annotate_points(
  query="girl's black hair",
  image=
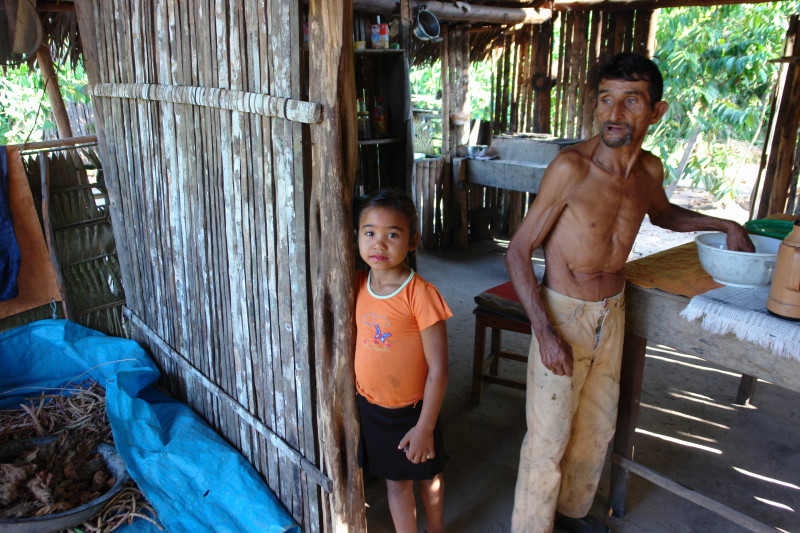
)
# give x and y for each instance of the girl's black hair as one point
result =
(392, 199)
(634, 67)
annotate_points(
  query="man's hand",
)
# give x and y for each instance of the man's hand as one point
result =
(737, 239)
(556, 353)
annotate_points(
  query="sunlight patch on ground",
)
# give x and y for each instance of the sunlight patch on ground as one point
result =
(765, 478)
(687, 396)
(774, 504)
(683, 415)
(690, 365)
(679, 441)
(698, 437)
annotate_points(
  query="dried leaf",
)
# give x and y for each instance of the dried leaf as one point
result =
(39, 490)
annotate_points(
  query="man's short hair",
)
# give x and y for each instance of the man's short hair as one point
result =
(634, 67)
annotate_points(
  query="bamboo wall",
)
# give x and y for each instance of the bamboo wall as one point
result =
(199, 105)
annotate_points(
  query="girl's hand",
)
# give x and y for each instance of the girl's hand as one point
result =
(418, 445)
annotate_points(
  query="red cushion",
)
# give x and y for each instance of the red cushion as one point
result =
(504, 290)
(502, 299)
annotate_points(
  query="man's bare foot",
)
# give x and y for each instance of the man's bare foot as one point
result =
(587, 524)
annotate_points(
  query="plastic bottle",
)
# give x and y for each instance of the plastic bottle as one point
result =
(380, 129)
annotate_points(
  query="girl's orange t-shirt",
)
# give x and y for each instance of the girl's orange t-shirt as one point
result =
(390, 363)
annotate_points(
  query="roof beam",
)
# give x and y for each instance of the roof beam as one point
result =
(466, 12)
(460, 11)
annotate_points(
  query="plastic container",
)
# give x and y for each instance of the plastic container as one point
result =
(740, 269)
(380, 35)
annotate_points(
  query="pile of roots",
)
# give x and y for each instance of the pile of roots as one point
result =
(45, 478)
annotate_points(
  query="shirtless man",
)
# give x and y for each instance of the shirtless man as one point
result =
(591, 202)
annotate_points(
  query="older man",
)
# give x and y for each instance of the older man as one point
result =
(592, 200)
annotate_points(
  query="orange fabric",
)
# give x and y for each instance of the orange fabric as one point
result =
(37, 277)
(389, 361)
(676, 271)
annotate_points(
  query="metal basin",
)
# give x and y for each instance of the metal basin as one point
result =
(73, 517)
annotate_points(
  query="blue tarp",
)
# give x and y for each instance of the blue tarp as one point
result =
(193, 478)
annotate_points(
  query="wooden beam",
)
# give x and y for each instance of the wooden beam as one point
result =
(55, 7)
(246, 102)
(50, 79)
(450, 12)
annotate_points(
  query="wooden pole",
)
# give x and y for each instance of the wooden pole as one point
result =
(45, 61)
(783, 135)
(334, 157)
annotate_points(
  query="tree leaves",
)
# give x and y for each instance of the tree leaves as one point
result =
(715, 62)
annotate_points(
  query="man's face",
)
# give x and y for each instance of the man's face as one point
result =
(624, 112)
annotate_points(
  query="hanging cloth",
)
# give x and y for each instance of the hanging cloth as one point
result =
(37, 281)
(10, 255)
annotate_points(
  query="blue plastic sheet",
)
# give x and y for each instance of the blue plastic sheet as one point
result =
(193, 478)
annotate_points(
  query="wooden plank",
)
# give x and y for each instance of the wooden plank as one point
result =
(652, 314)
(687, 493)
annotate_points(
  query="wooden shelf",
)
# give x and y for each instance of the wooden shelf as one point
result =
(378, 141)
(369, 51)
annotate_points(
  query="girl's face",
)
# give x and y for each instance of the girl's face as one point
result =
(384, 238)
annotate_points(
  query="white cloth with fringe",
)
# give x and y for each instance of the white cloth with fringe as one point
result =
(743, 312)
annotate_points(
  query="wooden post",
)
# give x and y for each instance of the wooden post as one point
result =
(334, 151)
(630, 391)
(542, 84)
(45, 61)
(783, 134)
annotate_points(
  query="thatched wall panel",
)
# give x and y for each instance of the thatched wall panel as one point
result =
(205, 169)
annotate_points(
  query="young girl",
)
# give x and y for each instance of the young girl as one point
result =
(400, 358)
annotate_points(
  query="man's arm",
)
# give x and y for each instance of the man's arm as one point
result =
(670, 216)
(540, 219)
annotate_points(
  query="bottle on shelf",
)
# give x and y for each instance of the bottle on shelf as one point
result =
(378, 119)
(362, 119)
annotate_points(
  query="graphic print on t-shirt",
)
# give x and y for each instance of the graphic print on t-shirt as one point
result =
(376, 335)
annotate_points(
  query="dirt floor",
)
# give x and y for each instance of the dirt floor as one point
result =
(689, 427)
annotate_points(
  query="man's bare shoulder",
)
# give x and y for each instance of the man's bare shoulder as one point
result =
(573, 158)
(652, 165)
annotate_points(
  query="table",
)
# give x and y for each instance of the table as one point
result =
(653, 315)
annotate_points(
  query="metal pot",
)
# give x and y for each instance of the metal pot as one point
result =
(427, 27)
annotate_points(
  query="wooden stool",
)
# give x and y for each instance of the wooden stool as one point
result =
(498, 309)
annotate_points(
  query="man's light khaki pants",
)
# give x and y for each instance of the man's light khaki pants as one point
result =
(570, 419)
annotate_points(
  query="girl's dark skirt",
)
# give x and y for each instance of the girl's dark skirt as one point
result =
(382, 430)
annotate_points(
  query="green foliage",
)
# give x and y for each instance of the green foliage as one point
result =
(425, 83)
(25, 105)
(717, 76)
